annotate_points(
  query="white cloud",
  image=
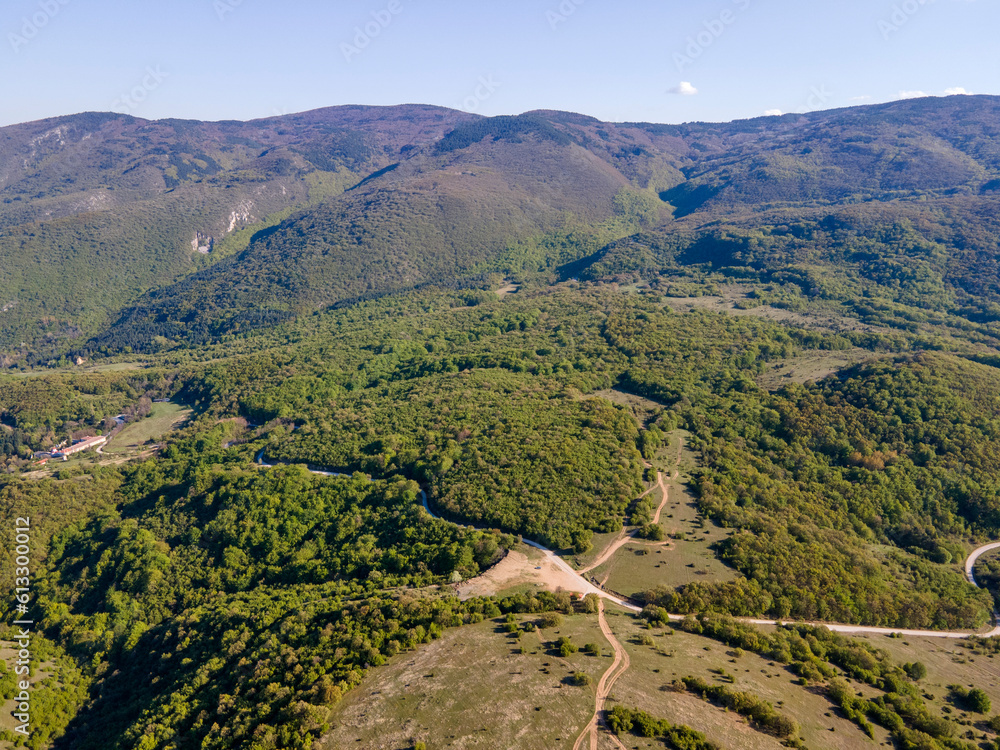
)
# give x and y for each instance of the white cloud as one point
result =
(864, 98)
(953, 91)
(684, 88)
(773, 113)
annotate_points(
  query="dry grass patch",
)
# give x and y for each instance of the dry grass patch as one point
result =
(470, 689)
(681, 654)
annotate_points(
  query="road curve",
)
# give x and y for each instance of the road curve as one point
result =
(586, 587)
(970, 562)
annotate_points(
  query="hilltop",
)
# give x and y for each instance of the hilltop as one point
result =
(106, 219)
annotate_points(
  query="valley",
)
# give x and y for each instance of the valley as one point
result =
(523, 431)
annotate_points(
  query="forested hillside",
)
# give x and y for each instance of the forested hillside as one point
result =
(100, 211)
(96, 209)
(783, 330)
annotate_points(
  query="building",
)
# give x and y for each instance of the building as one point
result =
(81, 445)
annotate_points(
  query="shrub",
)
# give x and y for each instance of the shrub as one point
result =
(566, 647)
(619, 720)
(550, 620)
(581, 679)
(978, 701)
(973, 700)
(655, 615)
(653, 531)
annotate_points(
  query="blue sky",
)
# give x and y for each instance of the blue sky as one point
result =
(664, 61)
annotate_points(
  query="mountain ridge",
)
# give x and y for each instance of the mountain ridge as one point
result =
(461, 192)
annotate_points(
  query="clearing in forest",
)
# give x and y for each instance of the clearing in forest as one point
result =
(163, 419)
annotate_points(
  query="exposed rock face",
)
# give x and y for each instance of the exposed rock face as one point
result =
(202, 243)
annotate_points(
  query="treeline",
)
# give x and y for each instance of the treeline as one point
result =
(500, 449)
(761, 714)
(900, 453)
(482, 404)
(503, 127)
(201, 570)
(621, 719)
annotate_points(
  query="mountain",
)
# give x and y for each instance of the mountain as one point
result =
(96, 209)
(350, 361)
(103, 215)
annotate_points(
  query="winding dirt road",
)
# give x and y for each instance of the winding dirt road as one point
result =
(970, 561)
(665, 496)
(586, 587)
(618, 667)
(621, 661)
(624, 537)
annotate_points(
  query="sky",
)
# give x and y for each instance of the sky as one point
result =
(665, 61)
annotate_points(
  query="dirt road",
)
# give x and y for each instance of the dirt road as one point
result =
(970, 562)
(617, 669)
(583, 586)
(625, 537)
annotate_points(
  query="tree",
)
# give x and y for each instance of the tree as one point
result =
(620, 719)
(653, 532)
(550, 620)
(566, 647)
(582, 541)
(978, 701)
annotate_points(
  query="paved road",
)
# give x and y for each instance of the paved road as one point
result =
(587, 587)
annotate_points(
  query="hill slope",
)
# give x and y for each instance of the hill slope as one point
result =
(100, 211)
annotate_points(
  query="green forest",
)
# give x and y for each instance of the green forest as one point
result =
(453, 316)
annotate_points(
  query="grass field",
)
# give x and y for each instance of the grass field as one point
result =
(112, 367)
(470, 689)
(163, 419)
(948, 663)
(810, 366)
(643, 409)
(638, 567)
(676, 654)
